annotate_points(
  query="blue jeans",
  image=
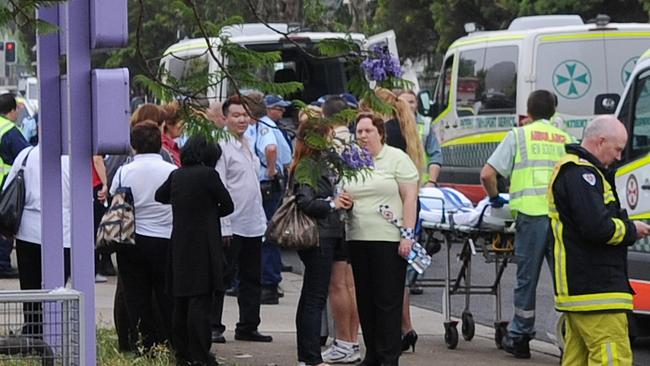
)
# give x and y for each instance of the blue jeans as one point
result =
(313, 296)
(532, 244)
(271, 255)
(5, 254)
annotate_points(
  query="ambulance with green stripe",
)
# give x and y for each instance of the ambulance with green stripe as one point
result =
(486, 78)
(633, 184)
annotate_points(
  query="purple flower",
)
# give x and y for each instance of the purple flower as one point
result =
(380, 65)
(356, 158)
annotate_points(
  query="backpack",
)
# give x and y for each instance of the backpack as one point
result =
(117, 227)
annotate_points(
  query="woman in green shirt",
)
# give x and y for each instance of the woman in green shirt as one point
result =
(378, 247)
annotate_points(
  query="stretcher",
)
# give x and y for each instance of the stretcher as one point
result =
(494, 242)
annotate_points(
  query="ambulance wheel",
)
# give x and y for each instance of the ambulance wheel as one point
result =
(467, 327)
(451, 336)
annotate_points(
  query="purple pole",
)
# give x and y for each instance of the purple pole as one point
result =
(50, 142)
(79, 94)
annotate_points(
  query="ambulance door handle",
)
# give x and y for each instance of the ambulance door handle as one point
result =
(646, 187)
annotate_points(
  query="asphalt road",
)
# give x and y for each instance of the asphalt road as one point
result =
(483, 306)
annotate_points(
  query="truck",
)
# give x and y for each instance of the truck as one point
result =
(486, 77)
(320, 76)
(633, 185)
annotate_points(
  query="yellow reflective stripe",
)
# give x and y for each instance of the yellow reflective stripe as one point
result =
(475, 40)
(477, 139)
(641, 216)
(619, 232)
(560, 260)
(592, 302)
(627, 168)
(608, 197)
(593, 35)
(192, 46)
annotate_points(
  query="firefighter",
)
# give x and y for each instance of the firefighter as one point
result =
(591, 235)
(527, 155)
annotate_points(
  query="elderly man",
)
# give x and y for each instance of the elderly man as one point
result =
(243, 229)
(591, 235)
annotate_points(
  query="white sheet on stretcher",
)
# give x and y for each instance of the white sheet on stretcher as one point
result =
(432, 200)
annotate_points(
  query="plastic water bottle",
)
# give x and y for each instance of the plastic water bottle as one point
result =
(418, 258)
(343, 214)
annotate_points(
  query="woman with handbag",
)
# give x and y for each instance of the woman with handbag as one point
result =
(142, 266)
(322, 204)
(198, 199)
(378, 247)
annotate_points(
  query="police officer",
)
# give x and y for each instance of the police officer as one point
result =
(591, 235)
(274, 152)
(527, 155)
(12, 142)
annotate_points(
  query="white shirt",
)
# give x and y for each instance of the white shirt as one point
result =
(144, 175)
(238, 168)
(30, 224)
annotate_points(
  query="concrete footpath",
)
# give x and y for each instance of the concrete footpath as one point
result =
(278, 321)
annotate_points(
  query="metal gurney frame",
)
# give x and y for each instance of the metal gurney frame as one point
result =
(496, 246)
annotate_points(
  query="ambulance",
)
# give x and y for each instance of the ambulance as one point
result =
(486, 78)
(633, 185)
(319, 75)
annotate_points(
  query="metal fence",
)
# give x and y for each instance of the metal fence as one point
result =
(41, 327)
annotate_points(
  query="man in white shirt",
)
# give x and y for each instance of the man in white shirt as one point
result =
(242, 230)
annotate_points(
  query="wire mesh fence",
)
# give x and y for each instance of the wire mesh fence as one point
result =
(41, 327)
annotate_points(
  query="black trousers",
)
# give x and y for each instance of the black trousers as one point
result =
(30, 278)
(313, 297)
(142, 274)
(191, 329)
(379, 274)
(243, 254)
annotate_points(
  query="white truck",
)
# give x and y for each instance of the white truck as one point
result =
(486, 78)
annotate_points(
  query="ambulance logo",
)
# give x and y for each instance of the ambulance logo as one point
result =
(632, 192)
(589, 178)
(571, 79)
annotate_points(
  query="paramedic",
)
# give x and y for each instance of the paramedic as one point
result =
(591, 235)
(527, 156)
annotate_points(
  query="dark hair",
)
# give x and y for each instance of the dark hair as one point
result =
(541, 104)
(225, 107)
(200, 151)
(148, 112)
(302, 149)
(376, 121)
(145, 137)
(7, 103)
(334, 105)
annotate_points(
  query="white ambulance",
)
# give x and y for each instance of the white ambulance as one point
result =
(633, 185)
(486, 78)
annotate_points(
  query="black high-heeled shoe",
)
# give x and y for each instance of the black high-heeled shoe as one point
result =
(408, 340)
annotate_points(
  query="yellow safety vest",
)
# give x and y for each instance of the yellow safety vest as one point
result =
(5, 126)
(564, 300)
(539, 147)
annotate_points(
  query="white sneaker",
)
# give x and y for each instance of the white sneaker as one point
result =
(100, 279)
(338, 354)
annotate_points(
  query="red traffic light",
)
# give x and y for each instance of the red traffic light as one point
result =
(10, 52)
(10, 46)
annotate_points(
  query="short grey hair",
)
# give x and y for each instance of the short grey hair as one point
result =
(599, 126)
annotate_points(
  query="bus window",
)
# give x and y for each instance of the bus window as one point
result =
(469, 88)
(641, 116)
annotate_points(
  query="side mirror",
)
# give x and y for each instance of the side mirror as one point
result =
(426, 104)
(606, 103)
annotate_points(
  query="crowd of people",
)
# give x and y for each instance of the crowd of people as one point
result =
(202, 208)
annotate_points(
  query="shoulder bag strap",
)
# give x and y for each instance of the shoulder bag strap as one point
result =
(22, 165)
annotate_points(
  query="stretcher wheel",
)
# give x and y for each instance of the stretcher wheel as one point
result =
(500, 330)
(451, 335)
(467, 327)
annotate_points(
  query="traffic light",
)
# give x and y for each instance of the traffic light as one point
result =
(10, 52)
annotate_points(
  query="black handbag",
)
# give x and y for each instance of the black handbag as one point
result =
(12, 202)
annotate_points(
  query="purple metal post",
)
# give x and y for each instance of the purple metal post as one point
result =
(50, 142)
(78, 72)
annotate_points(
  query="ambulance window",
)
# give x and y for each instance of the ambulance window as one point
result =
(444, 83)
(641, 116)
(190, 73)
(469, 88)
(499, 80)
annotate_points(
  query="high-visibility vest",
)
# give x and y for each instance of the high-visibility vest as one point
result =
(575, 297)
(5, 126)
(422, 132)
(539, 147)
